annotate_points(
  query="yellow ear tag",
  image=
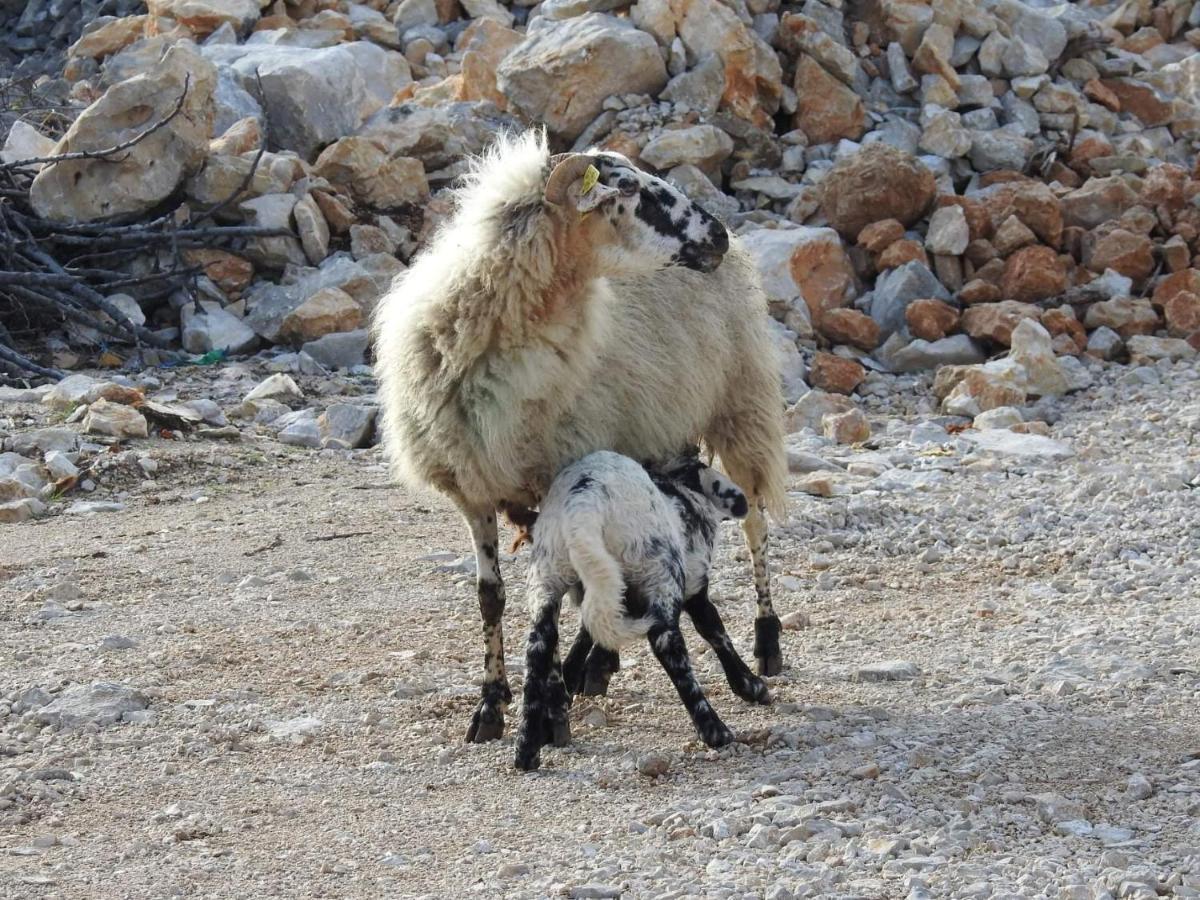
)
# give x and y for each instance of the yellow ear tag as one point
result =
(590, 177)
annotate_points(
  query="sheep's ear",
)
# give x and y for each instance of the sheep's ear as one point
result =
(587, 197)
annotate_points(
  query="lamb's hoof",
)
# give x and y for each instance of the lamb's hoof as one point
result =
(752, 690)
(560, 732)
(487, 724)
(766, 645)
(527, 761)
(595, 684)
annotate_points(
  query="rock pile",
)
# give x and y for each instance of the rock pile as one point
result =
(916, 182)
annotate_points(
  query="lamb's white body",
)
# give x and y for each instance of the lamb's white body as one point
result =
(529, 335)
(640, 544)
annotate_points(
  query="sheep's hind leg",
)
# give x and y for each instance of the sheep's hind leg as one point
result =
(602, 664)
(589, 667)
(666, 640)
(766, 624)
(487, 723)
(708, 624)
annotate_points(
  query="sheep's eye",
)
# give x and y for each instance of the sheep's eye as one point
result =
(627, 187)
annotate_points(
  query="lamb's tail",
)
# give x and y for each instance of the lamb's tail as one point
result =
(603, 611)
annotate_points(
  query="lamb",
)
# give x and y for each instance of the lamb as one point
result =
(639, 543)
(551, 317)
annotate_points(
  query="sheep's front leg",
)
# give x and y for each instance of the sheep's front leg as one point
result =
(666, 641)
(544, 706)
(708, 624)
(487, 723)
(766, 625)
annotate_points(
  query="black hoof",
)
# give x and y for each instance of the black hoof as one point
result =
(560, 733)
(602, 664)
(487, 724)
(717, 735)
(527, 761)
(753, 690)
(766, 645)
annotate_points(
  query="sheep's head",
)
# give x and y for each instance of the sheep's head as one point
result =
(638, 222)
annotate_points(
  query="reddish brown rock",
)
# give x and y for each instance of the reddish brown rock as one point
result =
(930, 320)
(835, 374)
(878, 236)
(979, 223)
(1124, 252)
(992, 271)
(1164, 186)
(1187, 281)
(979, 291)
(981, 252)
(1141, 100)
(823, 273)
(878, 182)
(1061, 323)
(1033, 273)
(901, 252)
(1176, 254)
(230, 272)
(995, 321)
(1031, 202)
(850, 427)
(1126, 316)
(1182, 313)
(849, 326)
(826, 110)
(328, 311)
(1098, 92)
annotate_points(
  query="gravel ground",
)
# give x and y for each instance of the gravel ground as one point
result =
(996, 695)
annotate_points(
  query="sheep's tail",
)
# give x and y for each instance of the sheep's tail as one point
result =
(603, 612)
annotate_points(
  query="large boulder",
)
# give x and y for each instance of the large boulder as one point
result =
(315, 96)
(562, 72)
(135, 180)
(878, 182)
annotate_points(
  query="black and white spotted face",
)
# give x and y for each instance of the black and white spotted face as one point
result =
(725, 497)
(657, 225)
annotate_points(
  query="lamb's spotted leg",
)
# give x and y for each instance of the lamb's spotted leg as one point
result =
(666, 640)
(766, 623)
(543, 710)
(602, 664)
(488, 721)
(708, 624)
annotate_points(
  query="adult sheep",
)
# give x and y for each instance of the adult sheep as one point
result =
(550, 318)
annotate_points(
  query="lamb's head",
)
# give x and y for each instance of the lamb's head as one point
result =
(641, 223)
(705, 484)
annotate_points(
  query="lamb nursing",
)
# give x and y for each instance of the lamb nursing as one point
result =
(639, 543)
(550, 318)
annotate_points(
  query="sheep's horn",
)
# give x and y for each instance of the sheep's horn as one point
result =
(565, 174)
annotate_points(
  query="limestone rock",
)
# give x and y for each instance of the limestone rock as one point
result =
(328, 311)
(375, 178)
(115, 420)
(1098, 201)
(826, 110)
(995, 321)
(346, 426)
(436, 135)
(203, 17)
(948, 233)
(100, 704)
(277, 387)
(1033, 350)
(135, 181)
(562, 72)
(810, 409)
(704, 146)
(214, 329)
(1126, 316)
(896, 289)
